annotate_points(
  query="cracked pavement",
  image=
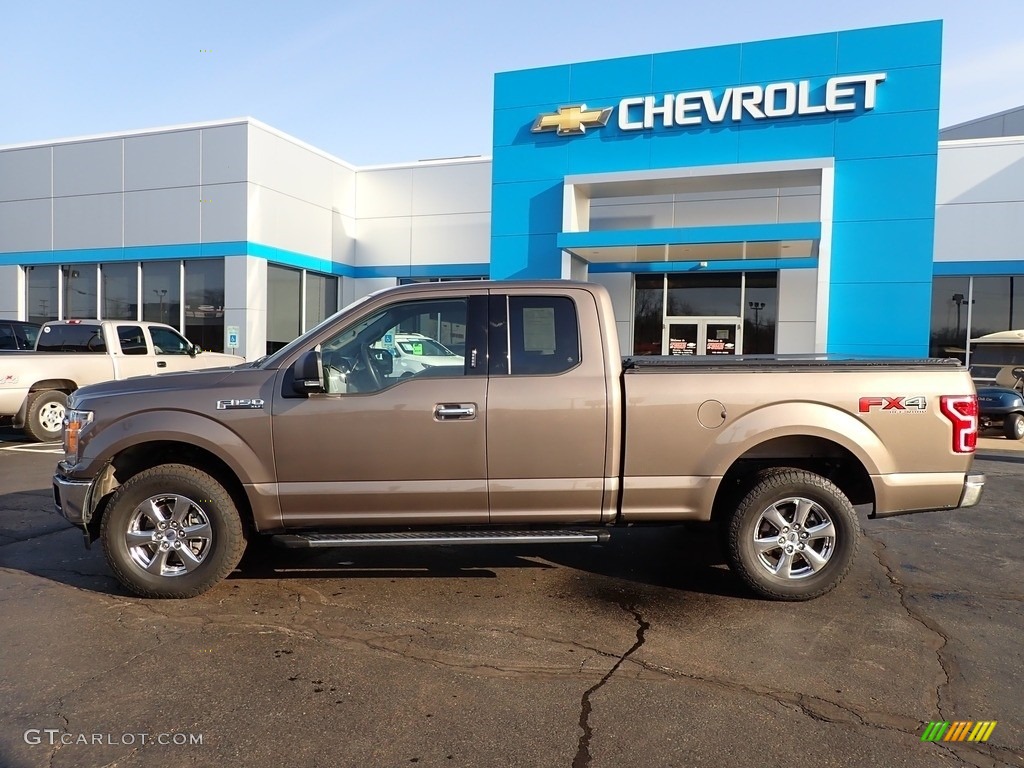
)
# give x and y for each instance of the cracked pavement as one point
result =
(644, 652)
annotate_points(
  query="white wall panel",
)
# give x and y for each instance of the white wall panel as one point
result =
(160, 160)
(225, 153)
(343, 239)
(620, 288)
(162, 216)
(461, 188)
(364, 286)
(25, 225)
(798, 295)
(989, 232)
(91, 167)
(794, 338)
(455, 239)
(89, 221)
(25, 174)
(384, 193)
(384, 242)
(286, 167)
(245, 303)
(624, 329)
(281, 221)
(223, 212)
(980, 173)
(343, 190)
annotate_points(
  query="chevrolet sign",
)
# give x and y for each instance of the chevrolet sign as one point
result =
(844, 93)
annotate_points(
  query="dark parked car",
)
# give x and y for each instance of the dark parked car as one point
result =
(1003, 407)
(18, 336)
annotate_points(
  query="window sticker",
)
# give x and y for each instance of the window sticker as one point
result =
(539, 330)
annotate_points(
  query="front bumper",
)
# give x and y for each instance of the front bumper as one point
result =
(974, 484)
(71, 497)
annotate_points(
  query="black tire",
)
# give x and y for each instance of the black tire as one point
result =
(824, 560)
(208, 527)
(45, 409)
(1013, 426)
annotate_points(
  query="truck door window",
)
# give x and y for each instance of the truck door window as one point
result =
(7, 338)
(131, 340)
(543, 335)
(167, 342)
(412, 339)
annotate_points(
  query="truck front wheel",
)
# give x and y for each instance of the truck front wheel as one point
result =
(44, 417)
(793, 536)
(172, 531)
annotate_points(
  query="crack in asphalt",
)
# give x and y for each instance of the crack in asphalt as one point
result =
(583, 756)
(929, 624)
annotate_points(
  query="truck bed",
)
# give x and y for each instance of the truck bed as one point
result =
(754, 363)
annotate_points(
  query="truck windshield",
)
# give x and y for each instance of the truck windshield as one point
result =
(76, 338)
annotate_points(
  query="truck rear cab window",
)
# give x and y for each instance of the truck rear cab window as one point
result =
(542, 334)
(72, 337)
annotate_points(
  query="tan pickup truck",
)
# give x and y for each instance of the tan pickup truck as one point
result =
(543, 433)
(34, 386)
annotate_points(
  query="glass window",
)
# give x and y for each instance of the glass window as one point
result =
(761, 313)
(7, 338)
(41, 293)
(161, 292)
(709, 294)
(321, 297)
(543, 335)
(79, 291)
(648, 314)
(167, 342)
(949, 317)
(27, 335)
(204, 303)
(120, 291)
(72, 337)
(284, 314)
(367, 357)
(131, 339)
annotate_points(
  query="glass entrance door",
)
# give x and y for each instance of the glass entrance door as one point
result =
(702, 336)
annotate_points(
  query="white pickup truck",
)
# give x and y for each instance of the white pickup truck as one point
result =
(34, 386)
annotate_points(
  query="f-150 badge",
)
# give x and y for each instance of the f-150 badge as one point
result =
(231, 405)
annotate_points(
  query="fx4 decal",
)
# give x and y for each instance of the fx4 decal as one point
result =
(915, 404)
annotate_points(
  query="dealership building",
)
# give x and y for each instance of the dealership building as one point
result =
(788, 196)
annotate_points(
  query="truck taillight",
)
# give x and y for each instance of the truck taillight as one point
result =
(962, 410)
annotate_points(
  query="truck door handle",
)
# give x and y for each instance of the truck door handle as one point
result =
(161, 363)
(452, 411)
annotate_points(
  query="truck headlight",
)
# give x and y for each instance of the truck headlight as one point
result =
(74, 422)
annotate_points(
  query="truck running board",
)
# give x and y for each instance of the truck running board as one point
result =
(438, 538)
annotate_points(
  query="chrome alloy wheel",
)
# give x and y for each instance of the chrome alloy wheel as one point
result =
(168, 535)
(51, 417)
(794, 538)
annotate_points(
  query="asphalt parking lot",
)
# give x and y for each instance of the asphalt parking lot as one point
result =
(643, 652)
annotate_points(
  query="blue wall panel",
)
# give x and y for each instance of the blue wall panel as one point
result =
(884, 158)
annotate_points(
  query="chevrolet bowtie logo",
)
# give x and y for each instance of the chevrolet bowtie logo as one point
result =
(569, 121)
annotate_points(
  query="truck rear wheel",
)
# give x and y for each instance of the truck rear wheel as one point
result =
(1013, 426)
(794, 535)
(172, 531)
(44, 417)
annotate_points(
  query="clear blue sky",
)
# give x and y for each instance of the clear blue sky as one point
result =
(381, 82)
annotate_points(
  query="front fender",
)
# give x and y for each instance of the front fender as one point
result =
(176, 426)
(796, 419)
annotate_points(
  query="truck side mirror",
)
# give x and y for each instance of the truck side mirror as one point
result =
(308, 373)
(194, 349)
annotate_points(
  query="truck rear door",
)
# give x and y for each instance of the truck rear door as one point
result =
(547, 408)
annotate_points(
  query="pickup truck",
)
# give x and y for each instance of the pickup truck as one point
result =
(34, 386)
(543, 435)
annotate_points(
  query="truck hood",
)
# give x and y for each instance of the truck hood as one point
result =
(183, 380)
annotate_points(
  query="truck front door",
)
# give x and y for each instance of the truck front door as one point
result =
(385, 445)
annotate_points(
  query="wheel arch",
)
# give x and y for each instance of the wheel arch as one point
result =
(812, 453)
(67, 386)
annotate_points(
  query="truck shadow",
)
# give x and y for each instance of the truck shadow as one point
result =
(685, 558)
